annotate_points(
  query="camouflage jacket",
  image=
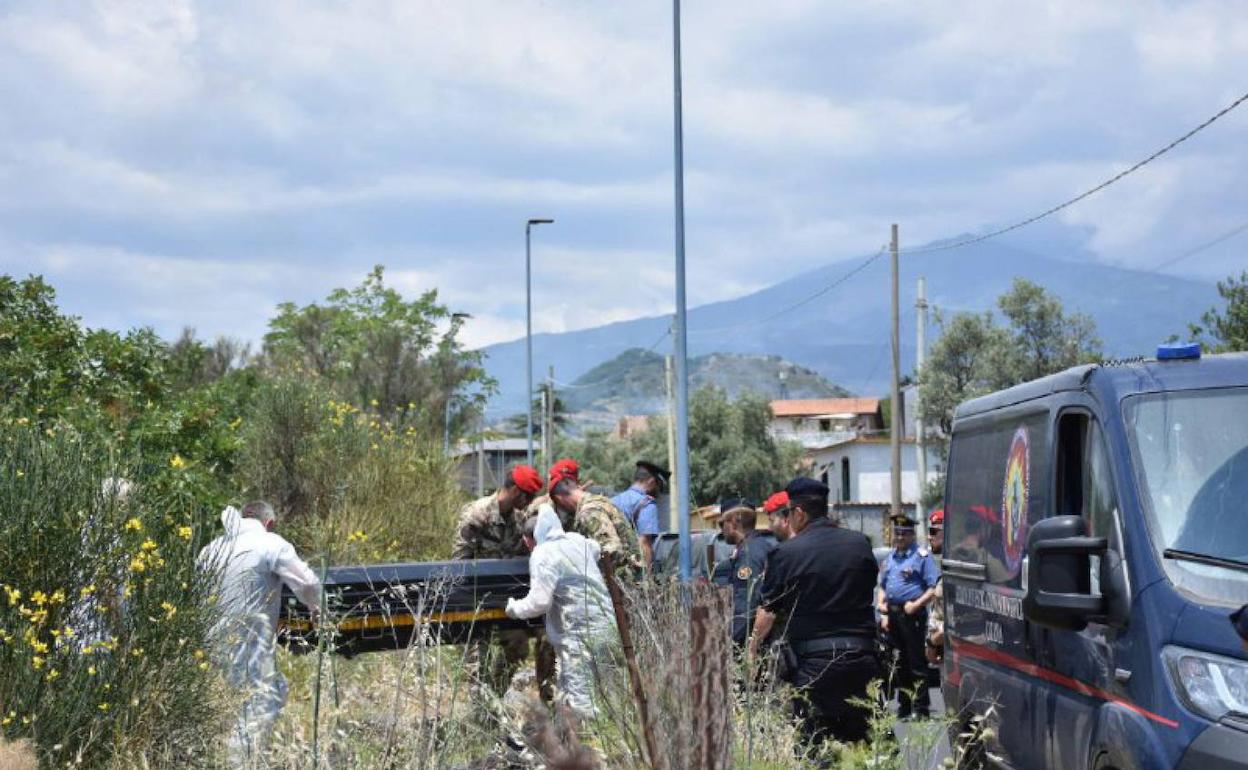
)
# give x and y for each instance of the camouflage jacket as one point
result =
(484, 533)
(598, 519)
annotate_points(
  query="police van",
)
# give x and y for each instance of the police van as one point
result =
(1096, 541)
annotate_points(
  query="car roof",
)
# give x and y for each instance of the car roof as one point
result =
(1117, 379)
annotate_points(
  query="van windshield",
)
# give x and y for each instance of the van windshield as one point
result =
(1190, 451)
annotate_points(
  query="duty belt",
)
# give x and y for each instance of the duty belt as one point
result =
(832, 644)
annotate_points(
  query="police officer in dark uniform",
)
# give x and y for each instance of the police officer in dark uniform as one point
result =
(743, 570)
(822, 579)
(907, 585)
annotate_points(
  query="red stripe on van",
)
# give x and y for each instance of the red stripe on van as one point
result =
(981, 652)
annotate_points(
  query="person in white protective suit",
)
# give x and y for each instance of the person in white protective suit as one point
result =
(566, 585)
(251, 562)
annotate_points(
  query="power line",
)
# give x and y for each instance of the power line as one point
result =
(1229, 234)
(1088, 193)
(805, 301)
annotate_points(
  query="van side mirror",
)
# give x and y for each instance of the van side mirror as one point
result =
(1059, 568)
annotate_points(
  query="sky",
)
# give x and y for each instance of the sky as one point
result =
(169, 163)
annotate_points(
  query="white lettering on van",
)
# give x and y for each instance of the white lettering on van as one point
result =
(985, 601)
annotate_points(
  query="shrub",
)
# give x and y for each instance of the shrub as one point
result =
(101, 622)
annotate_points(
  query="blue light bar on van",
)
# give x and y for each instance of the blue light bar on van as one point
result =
(1178, 352)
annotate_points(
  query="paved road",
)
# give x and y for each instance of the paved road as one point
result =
(926, 743)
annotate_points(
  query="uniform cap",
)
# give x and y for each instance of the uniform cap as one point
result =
(728, 503)
(776, 502)
(526, 478)
(903, 522)
(803, 487)
(662, 474)
(565, 468)
(937, 519)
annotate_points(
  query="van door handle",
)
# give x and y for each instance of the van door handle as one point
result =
(966, 570)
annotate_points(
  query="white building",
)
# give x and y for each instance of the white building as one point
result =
(815, 422)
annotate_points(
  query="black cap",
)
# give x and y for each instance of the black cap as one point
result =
(1240, 619)
(803, 487)
(903, 522)
(662, 474)
(728, 503)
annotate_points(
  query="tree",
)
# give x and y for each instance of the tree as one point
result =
(731, 451)
(974, 356)
(1046, 339)
(384, 353)
(1228, 328)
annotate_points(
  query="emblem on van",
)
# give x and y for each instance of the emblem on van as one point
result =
(1014, 496)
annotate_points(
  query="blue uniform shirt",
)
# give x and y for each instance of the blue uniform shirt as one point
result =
(908, 574)
(640, 509)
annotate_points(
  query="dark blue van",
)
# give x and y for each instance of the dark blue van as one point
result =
(1096, 541)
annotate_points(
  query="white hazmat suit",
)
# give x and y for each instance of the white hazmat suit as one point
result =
(251, 564)
(566, 585)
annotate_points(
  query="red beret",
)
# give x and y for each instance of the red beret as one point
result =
(526, 478)
(776, 502)
(937, 519)
(566, 468)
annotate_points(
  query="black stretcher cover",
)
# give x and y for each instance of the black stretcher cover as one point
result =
(390, 606)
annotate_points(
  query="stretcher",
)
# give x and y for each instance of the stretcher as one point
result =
(391, 606)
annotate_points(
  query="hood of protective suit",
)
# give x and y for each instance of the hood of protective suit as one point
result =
(548, 525)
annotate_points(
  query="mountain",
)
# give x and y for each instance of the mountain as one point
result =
(634, 381)
(844, 334)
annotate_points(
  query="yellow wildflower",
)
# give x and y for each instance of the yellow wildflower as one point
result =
(38, 646)
(199, 655)
(137, 565)
(134, 525)
(203, 666)
(176, 462)
(137, 652)
(87, 591)
(184, 533)
(39, 598)
(13, 594)
(37, 661)
(170, 610)
(91, 671)
(20, 473)
(103, 706)
(58, 597)
(52, 674)
(149, 545)
(8, 720)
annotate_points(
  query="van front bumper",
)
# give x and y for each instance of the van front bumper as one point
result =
(1218, 748)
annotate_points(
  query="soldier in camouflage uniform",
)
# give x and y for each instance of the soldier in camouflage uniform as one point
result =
(492, 528)
(595, 517)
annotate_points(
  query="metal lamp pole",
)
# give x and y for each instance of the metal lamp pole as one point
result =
(528, 333)
(681, 350)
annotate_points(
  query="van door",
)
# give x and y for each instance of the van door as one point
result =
(998, 485)
(1084, 661)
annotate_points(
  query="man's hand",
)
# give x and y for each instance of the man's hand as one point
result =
(883, 619)
(911, 607)
(511, 608)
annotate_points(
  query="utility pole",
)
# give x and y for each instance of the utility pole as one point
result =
(481, 456)
(671, 437)
(681, 349)
(545, 433)
(920, 442)
(548, 433)
(897, 417)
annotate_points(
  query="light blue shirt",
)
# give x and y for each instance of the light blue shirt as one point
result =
(639, 508)
(907, 574)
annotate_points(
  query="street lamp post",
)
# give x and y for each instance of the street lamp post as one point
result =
(528, 333)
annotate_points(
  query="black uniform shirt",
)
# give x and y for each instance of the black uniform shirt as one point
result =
(823, 579)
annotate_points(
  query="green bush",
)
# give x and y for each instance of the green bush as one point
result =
(102, 625)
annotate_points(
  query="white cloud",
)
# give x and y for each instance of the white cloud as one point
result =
(190, 161)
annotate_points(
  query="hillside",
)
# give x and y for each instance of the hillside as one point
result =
(844, 335)
(633, 382)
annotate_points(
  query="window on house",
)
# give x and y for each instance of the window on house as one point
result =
(825, 426)
(845, 498)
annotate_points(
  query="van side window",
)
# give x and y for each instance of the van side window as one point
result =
(998, 487)
(1085, 484)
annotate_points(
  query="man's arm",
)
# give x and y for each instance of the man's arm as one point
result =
(930, 574)
(764, 621)
(296, 573)
(647, 551)
(914, 605)
(466, 539)
(542, 581)
(881, 605)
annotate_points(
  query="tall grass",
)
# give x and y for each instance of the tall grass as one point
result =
(102, 627)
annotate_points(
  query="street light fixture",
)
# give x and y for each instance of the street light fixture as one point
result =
(528, 332)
